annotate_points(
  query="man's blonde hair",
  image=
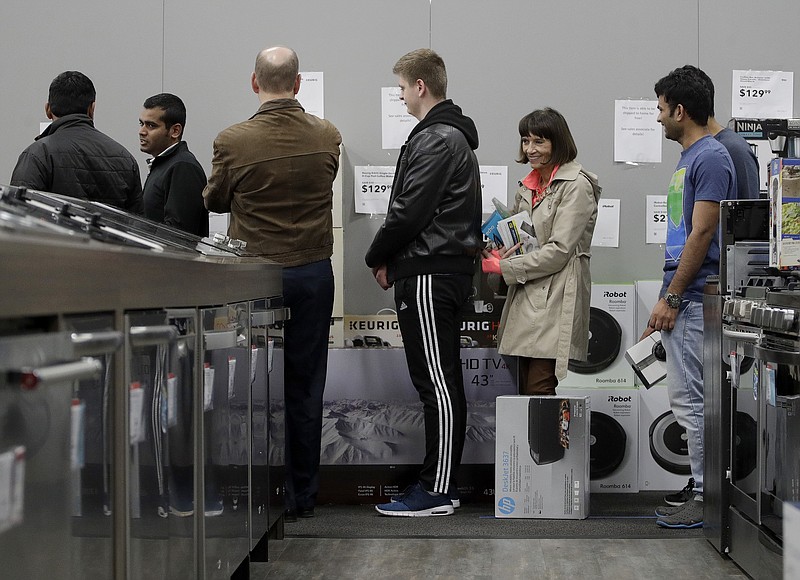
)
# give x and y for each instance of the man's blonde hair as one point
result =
(426, 65)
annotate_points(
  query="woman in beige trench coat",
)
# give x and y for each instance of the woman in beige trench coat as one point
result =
(545, 320)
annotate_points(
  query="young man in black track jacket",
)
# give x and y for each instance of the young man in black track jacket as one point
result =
(427, 249)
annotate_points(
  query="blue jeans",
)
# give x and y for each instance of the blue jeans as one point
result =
(684, 348)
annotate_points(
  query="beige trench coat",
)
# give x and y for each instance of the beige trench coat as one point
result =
(546, 314)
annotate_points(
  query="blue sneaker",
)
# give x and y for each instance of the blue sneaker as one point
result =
(416, 502)
(689, 515)
(181, 505)
(452, 493)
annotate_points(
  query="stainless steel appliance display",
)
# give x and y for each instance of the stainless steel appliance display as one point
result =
(183, 469)
(84, 268)
(778, 357)
(761, 340)
(149, 340)
(266, 481)
(92, 515)
(226, 437)
(730, 435)
(42, 447)
(110, 224)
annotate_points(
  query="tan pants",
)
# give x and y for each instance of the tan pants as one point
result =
(537, 376)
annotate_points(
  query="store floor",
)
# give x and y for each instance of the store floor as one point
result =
(619, 541)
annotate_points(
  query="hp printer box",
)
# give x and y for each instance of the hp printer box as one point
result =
(542, 457)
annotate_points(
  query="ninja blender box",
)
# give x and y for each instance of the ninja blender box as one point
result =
(542, 457)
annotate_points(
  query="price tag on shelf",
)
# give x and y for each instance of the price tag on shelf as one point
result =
(172, 400)
(208, 387)
(12, 487)
(253, 363)
(76, 446)
(231, 376)
(763, 94)
(656, 219)
(136, 408)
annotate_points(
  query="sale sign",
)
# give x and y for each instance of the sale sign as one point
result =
(762, 94)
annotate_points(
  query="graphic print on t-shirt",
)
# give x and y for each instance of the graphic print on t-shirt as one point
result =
(676, 225)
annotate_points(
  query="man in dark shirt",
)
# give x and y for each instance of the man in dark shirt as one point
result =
(73, 158)
(744, 160)
(173, 192)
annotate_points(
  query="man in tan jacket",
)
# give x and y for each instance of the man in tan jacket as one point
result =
(274, 173)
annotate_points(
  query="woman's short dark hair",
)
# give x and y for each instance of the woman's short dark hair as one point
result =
(548, 124)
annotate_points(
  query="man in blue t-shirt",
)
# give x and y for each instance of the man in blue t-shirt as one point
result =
(703, 178)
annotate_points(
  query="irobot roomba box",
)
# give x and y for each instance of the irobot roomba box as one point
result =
(611, 333)
(614, 440)
(542, 457)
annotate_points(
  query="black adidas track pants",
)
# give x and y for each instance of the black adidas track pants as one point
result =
(429, 310)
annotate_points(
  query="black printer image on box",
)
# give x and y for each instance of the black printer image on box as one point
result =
(548, 429)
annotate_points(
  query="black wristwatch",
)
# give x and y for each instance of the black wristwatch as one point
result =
(673, 300)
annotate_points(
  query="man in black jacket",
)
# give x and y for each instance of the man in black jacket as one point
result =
(173, 192)
(73, 158)
(426, 249)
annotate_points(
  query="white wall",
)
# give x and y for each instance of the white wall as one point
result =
(504, 60)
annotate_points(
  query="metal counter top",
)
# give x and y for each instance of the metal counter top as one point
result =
(40, 276)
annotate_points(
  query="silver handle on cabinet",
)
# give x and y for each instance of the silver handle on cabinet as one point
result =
(88, 343)
(741, 336)
(32, 378)
(152, 335)
(262, 318)
(282, 314)
(215, 340)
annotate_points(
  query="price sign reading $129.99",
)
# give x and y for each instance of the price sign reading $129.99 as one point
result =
(376, 188)
(762, 94)
(373, 186)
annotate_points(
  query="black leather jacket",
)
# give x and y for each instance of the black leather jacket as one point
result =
(433, 222)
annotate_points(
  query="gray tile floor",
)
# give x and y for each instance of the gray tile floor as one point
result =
(468, 559)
